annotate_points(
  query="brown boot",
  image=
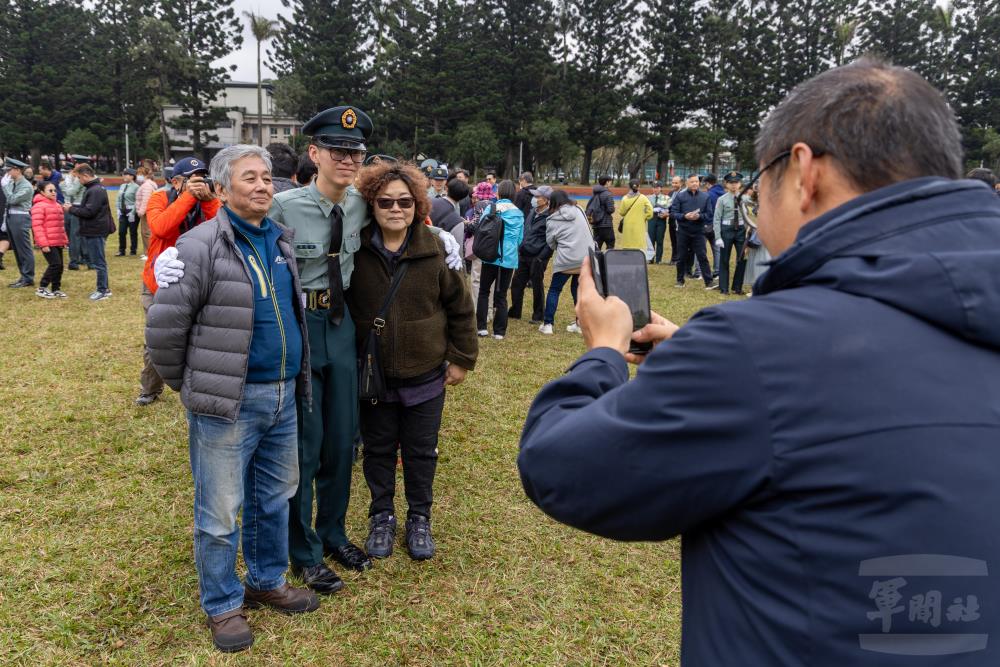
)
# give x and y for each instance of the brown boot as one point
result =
(230, 632)
(286, 599)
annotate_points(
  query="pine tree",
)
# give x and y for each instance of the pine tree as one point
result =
(900, 31)
(322, 47)
(605, 48)
(208, 30)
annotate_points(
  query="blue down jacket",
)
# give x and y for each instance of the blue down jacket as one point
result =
(829, 450)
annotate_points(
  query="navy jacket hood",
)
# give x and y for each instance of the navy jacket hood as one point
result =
(940, 264)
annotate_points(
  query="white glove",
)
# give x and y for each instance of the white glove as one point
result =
(454, 259)
(719, 243)
(167, 269)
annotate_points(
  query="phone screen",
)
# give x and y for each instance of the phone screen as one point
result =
(625, 277)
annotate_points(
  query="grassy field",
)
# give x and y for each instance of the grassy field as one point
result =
(95, 517)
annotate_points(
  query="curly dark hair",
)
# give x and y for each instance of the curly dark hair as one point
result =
(372, 179)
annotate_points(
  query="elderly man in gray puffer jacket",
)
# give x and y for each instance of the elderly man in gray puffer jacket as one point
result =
(230, 337)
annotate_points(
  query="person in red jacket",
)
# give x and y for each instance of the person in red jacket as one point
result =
(187, 202)
(50, 235)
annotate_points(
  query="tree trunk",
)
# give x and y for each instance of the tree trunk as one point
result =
(260, 106)
(164, 139)
(588, 157)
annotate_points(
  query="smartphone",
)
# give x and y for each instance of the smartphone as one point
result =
(622, 273)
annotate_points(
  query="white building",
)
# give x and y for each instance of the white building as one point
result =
(240, 98)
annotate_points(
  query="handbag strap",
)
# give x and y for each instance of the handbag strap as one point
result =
(397, 278)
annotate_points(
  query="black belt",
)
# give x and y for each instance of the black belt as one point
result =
(317, 299)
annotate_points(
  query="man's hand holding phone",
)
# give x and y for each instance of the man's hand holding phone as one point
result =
(658, 330)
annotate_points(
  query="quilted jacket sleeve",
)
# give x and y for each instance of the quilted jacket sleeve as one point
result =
(173, 313)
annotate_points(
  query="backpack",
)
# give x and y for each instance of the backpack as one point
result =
(488, 243)
(593, 204)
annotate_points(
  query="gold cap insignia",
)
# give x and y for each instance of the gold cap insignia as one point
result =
(349, 120)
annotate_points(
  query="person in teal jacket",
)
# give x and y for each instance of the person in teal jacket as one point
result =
(498, 274)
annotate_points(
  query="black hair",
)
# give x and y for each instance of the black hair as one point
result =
(506, 189)
(458, 189)
(305, 170)
(559, 199)
(985, 175)
(284, 159)
(881, 124)
(603, 180)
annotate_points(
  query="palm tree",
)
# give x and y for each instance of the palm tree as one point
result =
(262, 29)
(844, 33)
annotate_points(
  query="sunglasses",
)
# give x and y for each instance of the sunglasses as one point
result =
(386, 203)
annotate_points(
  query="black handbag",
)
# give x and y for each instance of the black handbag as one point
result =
(371, 379)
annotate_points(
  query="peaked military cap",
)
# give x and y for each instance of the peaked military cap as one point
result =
(11, 163)
(75, 157)
(439, 174)
(733, 177)
(340, 127)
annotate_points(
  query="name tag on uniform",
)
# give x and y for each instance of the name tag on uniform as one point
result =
(308, 250)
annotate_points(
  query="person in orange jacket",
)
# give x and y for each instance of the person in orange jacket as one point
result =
(185, 203)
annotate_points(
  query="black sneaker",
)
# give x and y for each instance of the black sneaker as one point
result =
(381, 535)
(320, 578)
(146, 399)
(349, 556)
(21, 283)
(419, 542)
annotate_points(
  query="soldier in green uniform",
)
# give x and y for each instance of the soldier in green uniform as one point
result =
(327, 216)
(730, 233)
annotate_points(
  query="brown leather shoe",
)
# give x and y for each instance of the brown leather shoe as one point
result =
(286, 599)
(230, 632)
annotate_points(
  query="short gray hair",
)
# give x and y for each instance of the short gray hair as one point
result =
(527, 177)
(221, 167)
(882, 124)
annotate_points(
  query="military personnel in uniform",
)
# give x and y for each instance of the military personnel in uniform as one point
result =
(19, 192)
(730, 232)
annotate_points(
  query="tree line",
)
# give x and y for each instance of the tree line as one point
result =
(574, 85)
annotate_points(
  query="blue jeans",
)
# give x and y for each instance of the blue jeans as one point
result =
(253, 464)
(559, 280)
(94, 246)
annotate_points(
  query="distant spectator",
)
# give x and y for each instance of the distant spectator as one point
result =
(497, 274)
(986, 176)
(49, 231)
(72, 190)
(128, 219)
(96, 225)
(53, 176)
(306, 170)
(284, 162)
(600, 213)
(567, 234)
(147, 186)
(522, 199)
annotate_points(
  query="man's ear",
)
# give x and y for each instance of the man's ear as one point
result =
(803, 169)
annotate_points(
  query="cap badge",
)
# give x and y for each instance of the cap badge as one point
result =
(194, 163)
(349, 120)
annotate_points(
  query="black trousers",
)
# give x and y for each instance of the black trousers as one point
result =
(604, 236)
(124, 228)
(498, 279)
(54, 270)
(733, 240)
(672, 230)
(528, 271)
(390, 427)
(691, 239)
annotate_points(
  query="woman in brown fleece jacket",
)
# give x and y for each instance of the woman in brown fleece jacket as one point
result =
(429, 341)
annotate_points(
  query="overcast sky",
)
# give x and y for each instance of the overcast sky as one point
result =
(246, 58)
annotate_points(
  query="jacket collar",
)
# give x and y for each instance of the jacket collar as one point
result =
(226, 227)
(863, 220)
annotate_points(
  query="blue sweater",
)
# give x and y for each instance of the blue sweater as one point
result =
(828, 449)
(276, 343)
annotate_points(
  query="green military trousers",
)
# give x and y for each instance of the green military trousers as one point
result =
(326, 441)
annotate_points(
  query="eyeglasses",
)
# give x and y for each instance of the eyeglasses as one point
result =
(356, 154)
(386, 203)
(817, 152)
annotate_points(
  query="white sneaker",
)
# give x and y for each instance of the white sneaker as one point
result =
(144, 257)
(44, 293)
(482, 333)
(546, 329)
(59, 294)
(574, 328)
(100, 296)
(498, 336)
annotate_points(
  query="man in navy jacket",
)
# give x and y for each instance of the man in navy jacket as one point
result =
(690, 210)
(829, 449)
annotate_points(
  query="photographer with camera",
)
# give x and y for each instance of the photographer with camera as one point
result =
(815, 439)
(187, 202)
